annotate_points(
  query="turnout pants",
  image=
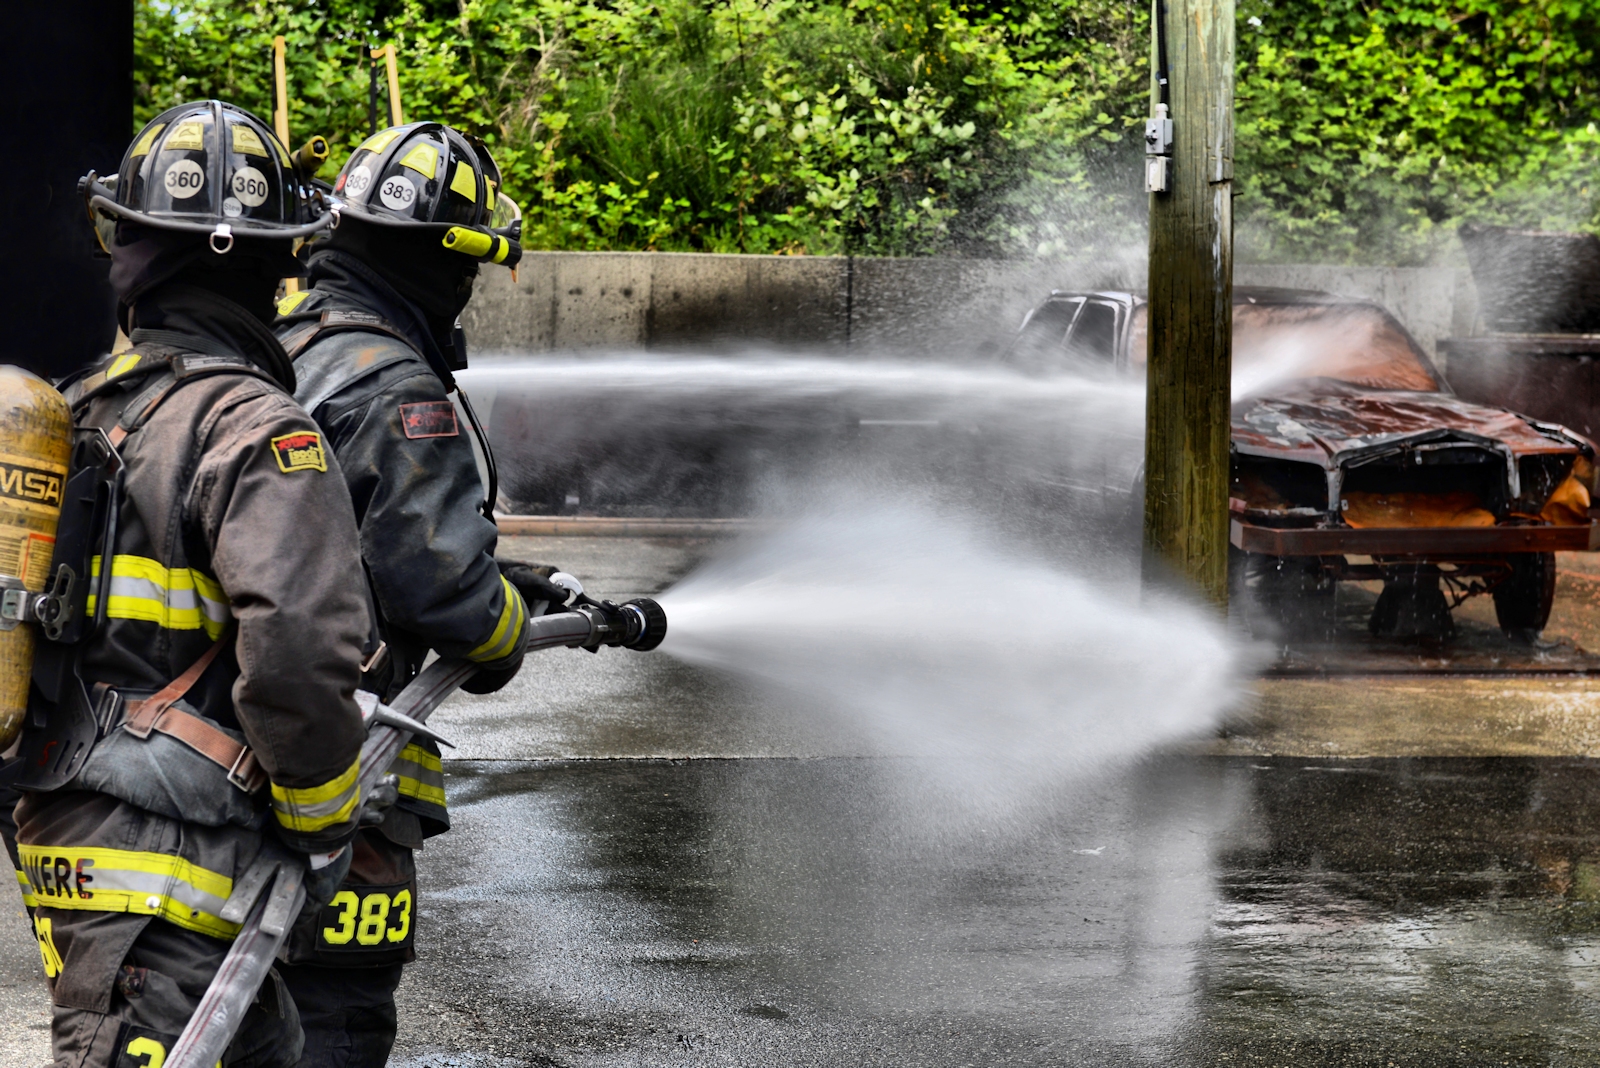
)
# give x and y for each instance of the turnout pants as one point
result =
(346, 961)
(165, 971)
(348, 1014)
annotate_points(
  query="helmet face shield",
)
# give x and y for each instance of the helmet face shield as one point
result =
(505, 212)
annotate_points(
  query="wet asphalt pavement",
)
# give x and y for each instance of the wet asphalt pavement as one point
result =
(1195, 911)
(655, 866)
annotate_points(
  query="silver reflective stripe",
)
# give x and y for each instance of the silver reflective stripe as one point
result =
(309, 809)
(421, 775)
(94, 879)
(178, 598)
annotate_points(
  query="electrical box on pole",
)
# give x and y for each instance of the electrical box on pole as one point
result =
(1189, 176)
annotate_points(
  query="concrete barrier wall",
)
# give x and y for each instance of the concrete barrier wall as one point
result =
(567, 301)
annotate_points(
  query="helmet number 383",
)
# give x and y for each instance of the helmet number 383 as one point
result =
(397, 193)
(184, 179)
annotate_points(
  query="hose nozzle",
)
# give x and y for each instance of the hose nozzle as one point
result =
(640, 624)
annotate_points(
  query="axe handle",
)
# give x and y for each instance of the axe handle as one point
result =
(244, 969)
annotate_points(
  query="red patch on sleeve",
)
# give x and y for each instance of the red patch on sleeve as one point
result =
(429, 419)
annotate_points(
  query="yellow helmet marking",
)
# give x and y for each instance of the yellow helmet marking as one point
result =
(380, 140)
(186, 136)
(247, 141)
(465, 182)
(142, 146)
(424, 159)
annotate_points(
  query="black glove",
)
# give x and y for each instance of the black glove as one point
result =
(323, 883)
(375, 805)
(533, 582)
(488, 680)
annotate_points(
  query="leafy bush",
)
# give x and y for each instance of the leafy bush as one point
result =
(1365, 130)
(1369, 130)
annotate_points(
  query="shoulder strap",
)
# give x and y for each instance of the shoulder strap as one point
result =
(157, 714)
(143, 714)
(182, 368)
(339, 321)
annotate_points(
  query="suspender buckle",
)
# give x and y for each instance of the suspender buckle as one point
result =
(246, 773)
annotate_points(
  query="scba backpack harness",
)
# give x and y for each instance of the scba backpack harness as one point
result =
(96, 736)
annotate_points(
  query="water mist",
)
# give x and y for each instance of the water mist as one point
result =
(936, 638)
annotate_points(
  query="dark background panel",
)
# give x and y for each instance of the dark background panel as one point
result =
(67, 83)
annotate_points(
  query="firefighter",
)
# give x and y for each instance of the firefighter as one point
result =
(376, 341)
(220, 644)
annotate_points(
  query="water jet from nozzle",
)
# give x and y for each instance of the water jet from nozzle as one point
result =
(933, 636)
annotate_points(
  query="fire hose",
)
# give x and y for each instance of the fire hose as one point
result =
(269, 896)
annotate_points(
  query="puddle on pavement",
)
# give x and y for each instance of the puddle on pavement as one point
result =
(1211, 911)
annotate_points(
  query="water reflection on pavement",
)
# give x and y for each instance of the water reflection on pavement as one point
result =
(1188, 911)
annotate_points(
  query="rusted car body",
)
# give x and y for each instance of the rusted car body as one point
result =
(1353, 460)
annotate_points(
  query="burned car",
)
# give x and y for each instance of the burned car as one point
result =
(1352, 460)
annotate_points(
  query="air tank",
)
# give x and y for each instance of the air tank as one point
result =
(35, 442)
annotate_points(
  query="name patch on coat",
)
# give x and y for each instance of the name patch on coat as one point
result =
(301, 451)
(429, 419)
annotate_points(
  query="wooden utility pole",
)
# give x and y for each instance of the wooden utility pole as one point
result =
(1191, 296)
(280, 119)
(397, 116)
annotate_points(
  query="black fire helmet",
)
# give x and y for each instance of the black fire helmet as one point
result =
(207, 168)
(425, 176)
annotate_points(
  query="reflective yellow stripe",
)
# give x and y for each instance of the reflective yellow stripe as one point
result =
(122, 364)
(28, 900)
(420, 774)
(315, 808)
(93, 879)
(507, 632)
(178, 598)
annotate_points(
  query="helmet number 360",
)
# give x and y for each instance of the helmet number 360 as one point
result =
(184, 179)
(397, 193)
(250, 186)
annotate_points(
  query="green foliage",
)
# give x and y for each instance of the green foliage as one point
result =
(1366, 130)
(1369, 130)
(786, 125)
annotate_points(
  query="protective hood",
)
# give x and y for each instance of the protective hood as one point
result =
(188, 316)
(413, 261)
(142, 258)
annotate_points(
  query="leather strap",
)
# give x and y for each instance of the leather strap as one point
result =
(157, 714)
(339, 321)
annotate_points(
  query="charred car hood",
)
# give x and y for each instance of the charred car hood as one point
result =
(1328, 423)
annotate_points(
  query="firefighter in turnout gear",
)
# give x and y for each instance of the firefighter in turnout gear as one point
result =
(375, 342)
(220, 640)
